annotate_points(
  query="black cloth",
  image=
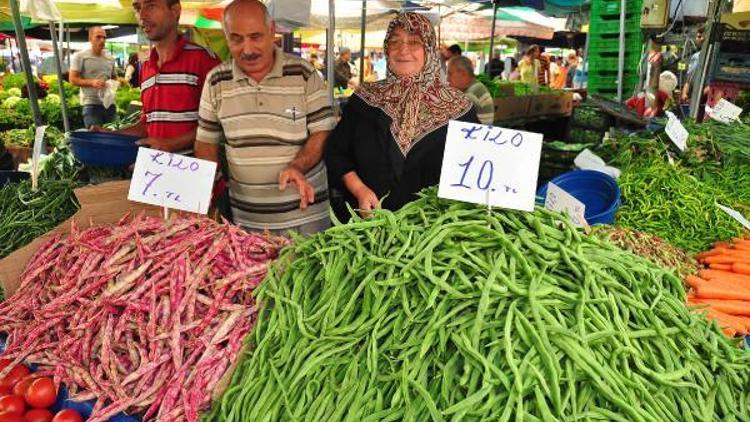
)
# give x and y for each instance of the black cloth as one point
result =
(363, 142)
(343, 73)
(494, 68)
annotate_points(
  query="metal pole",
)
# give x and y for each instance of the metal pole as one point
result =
(706, 57)
(69, 52)
(329, 49)
(494, 21)
(362, 44)
(621, 62)
(60, 80)
(31, 86)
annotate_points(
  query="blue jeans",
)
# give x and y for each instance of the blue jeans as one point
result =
(97, 115)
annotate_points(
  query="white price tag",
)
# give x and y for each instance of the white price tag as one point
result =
(736, 215)
(36, 155)
(490, 165)
(725, 112)
(676, 131)
(561, 201)
(172, 181)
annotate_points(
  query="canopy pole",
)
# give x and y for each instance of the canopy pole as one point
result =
(23, 50)
(329, 50)
(69, 52)
(494, 21)
(621, 59)
(362, 44)
(60, 80)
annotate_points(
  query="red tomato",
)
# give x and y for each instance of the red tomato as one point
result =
(41, 393)
(10, 417)
(4, 391)
(67, 415)
(13, 403)
(16, 374)
(4, 363)
(38, 415)
(21, 386)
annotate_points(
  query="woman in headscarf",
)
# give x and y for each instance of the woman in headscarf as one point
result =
(389, 143)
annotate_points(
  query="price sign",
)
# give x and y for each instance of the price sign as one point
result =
(676, 131)
(725, 112)
(490, 165)
(561, 201)
(172, 181)
(736, 215)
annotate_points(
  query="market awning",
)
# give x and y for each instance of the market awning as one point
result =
(470, 27)
(113, 12)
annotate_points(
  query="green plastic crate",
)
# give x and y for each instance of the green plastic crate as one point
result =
(609, 85)
(607, 44)
(608, 8)
(611, 64)
(613, 26)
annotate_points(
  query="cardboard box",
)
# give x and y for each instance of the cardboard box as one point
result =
(551, 105)
(100, 204)
(511, 108)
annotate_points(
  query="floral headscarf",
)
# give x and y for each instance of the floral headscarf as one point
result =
(417, 104)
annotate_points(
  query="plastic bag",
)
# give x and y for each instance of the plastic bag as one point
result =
(108, 93)
(587, 160)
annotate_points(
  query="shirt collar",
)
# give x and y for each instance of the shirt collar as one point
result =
(277, 70)
(179, 46)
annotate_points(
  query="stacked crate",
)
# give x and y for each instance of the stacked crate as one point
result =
(604, 47)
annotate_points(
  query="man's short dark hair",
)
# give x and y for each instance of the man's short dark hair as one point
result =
(455, 50)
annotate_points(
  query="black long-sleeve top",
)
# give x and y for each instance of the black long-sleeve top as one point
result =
(363, 142)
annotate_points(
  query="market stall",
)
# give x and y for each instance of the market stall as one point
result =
(576, 261)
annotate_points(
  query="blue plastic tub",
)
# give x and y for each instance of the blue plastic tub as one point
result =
(102, 149)
(84, 408)
(598, 191)
(12, 176)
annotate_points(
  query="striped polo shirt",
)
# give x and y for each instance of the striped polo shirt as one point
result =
(171, 93)
(263, 126)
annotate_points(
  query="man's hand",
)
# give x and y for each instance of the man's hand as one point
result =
(98, 84)
(156, 143)
(294, 176)
(367, 200)
(97, 128)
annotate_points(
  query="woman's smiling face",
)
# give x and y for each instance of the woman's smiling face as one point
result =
(406, 55)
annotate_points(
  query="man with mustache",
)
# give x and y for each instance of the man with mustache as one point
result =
(171, 79)
(270, 112)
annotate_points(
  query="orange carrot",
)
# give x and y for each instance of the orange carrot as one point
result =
(722, 267)
(725, 275)
(731, 307)
(741, 268)
(719, 289)
(727, 259)
(694, 281)
(712, 252)
(721, 244)
(726, 320)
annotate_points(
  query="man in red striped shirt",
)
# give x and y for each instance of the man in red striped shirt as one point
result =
(171, 79)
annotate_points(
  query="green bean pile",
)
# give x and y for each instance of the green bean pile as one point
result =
(445, 310)
(26, 215)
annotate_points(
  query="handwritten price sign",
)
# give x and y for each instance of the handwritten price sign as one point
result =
(172, 181)
(561, 201)
(490, 166)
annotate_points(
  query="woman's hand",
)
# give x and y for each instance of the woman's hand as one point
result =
(367, 200)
